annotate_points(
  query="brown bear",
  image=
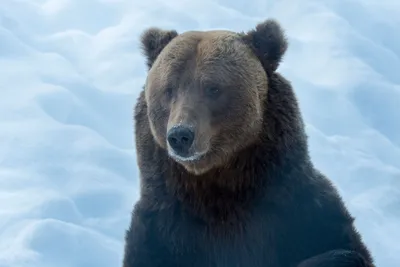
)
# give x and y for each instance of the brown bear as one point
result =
(226, 177)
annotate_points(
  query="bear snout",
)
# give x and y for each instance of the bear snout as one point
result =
(180, 139)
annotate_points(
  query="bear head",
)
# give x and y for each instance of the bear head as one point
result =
(205, 90)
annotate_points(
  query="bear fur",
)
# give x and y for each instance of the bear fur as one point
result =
(253, 198)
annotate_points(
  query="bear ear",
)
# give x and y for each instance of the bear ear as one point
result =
(269, 43)
(153, 41)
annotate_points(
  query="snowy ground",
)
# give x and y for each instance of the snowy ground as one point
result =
(70, 71)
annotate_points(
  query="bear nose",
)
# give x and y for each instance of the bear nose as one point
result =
(180, 138)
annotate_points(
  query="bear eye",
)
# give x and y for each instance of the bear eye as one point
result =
(168, 92)
(213, 91)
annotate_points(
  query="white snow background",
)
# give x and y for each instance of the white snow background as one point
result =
(70, 72)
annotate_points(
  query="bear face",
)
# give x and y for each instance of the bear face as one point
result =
(205, 91)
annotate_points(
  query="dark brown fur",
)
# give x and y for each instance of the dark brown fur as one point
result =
(254, 199)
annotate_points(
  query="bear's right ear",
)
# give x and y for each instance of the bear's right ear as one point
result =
(268, 42)
(153, 41)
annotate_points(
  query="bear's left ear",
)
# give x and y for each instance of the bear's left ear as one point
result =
(269, 43)
(153, 41)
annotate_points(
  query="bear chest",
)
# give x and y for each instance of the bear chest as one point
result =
(247, 240)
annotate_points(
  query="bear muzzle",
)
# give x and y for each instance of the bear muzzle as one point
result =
(180, 140)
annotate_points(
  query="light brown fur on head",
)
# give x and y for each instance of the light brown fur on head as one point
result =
(213, 83)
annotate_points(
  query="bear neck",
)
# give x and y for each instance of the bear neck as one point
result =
(277, 155)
